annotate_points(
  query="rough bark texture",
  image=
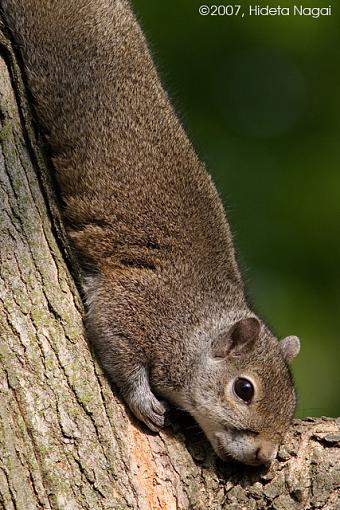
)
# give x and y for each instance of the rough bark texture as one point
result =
(66, 440)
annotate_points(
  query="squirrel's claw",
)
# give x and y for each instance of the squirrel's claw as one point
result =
(148, 409)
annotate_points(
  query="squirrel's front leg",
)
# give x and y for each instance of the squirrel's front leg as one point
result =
(141, 400)
(120, 354)
(132, 379)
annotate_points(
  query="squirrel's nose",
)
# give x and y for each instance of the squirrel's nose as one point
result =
(265, 453)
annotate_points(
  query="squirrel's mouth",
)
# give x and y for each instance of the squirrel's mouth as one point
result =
(226, 456)
(222, 452)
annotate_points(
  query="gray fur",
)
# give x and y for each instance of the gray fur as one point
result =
(160, 277)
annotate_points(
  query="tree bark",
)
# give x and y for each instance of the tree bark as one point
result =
(67, 441)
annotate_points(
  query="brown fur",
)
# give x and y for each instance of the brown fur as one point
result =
(160, 276)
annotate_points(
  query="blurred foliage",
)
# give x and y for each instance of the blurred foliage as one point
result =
(260, 99)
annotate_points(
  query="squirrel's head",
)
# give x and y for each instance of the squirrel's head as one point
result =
(242, 393)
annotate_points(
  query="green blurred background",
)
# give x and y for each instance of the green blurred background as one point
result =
(260, 99)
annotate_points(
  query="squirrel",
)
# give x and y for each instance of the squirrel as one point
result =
(166, 308)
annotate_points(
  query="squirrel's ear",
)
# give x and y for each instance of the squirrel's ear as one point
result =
(290, 347)
(240, 338)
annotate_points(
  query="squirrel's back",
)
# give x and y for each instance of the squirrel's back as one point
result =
(126, 170)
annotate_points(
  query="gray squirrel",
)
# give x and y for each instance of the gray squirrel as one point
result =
(166, 306)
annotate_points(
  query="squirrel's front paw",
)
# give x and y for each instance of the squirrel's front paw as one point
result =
(147, 408)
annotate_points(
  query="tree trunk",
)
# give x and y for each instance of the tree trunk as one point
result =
(66, 440)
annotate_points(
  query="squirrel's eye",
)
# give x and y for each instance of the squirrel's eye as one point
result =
(244, 389)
